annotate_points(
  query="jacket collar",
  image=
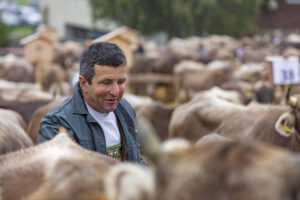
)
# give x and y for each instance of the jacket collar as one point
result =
(78, 102)
(80, 108)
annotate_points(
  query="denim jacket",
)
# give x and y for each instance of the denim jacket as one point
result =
(73, 115)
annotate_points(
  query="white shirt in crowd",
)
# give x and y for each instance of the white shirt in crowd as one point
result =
(108, 123)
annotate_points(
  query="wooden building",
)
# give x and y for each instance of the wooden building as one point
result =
(125, 38)
(48, 32)
(39, 47)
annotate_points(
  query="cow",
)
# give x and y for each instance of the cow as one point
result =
(212, 137)
(252, 72)
(138, 101)
(23, 172)
(23, 98)
(275, 124)
(261, 91)
(16, 69)
(61, 169)
(34, 123)
(67, 53)
(202, 49)
(12, 132)
(77, 181)
(47, 74)
(222, 169)
(159, 115)
(192, 77)
(196, 118)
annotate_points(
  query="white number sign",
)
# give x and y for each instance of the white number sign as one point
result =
(286, 71)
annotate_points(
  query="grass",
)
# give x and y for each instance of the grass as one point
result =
(22, 30)
(24, 2)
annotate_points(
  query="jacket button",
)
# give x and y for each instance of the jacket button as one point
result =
(130, 128)
(97, 141)
(136, 158)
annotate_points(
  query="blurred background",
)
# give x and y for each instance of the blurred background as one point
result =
(82, 20)
(175, 48)
(195, 67)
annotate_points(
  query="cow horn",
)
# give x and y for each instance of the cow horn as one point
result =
(148, 139)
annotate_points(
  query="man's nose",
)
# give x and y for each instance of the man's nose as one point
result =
(115, 90)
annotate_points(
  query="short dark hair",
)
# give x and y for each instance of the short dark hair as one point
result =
(100, 53)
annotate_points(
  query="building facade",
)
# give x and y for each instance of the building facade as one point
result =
(285, 16)
(73, 19)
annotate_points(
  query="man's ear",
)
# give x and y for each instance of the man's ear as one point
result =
(83, 83)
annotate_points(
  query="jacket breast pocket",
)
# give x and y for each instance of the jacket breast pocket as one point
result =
(87, 144)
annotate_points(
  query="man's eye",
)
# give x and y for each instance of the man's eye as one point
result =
(106, 83)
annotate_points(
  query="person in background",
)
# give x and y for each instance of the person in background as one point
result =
(140, 48)
(96, 116)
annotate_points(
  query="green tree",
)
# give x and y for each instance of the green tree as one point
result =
(4, 35)
(181, 17)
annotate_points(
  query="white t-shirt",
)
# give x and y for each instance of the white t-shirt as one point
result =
(109, 125)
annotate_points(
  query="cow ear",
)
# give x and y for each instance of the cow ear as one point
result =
(285, 125)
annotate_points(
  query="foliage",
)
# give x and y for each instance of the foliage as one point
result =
(181, 17)
(22, 30)
(19, 32)
(24, 2)
(4, 35)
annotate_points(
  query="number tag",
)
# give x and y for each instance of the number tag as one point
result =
(286, 71)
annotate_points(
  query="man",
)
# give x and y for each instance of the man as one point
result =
(96, 116)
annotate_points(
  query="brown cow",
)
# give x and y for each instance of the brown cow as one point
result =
(34, 123)
(159, 115)
(212, 137)
(230, 171)
(12, 132)
(49, 73)
(97, 182)
(273, 124)
(24, 172)
(61, 169)
(16, 69)
(220, 169)
(67, 53)
(192, 77)
(198, 117)
(23, 98)
(156, 112)
(261, 91)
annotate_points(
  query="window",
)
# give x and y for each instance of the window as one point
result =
(293, 1)
(79, 33)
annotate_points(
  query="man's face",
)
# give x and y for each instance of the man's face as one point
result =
(107, 88)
